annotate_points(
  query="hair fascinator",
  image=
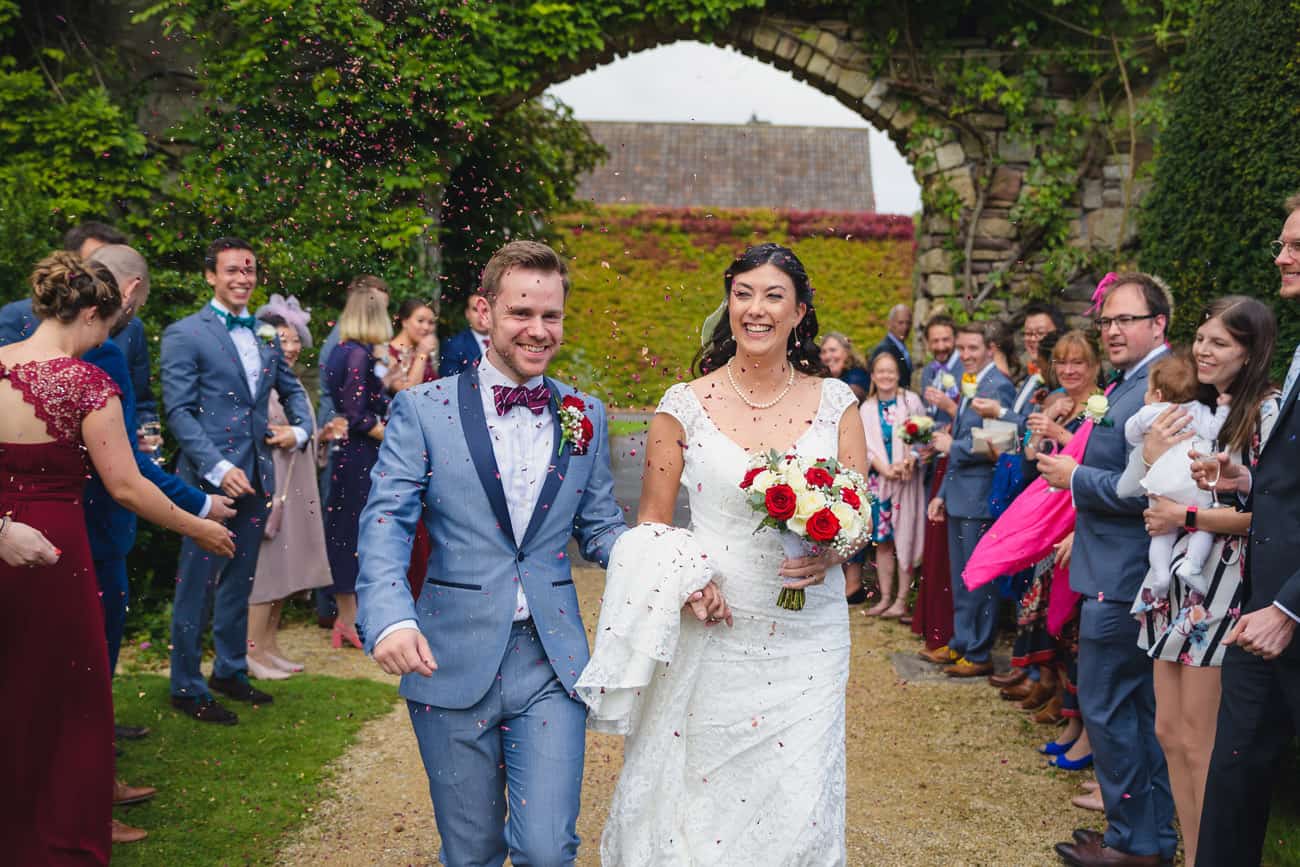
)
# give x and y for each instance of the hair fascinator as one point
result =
(291, 312)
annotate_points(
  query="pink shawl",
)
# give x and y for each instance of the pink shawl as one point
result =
(1025, 533)
(908, 497)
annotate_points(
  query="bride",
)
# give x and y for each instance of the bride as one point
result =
(736, 751)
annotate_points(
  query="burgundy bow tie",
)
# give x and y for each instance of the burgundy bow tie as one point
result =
(535, 399)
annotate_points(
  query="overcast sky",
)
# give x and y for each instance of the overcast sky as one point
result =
(690, 81)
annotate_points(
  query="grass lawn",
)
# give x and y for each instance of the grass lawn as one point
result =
(622, 427)
(1282, 843)
(228, 794)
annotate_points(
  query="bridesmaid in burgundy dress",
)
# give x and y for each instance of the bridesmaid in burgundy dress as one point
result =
(56, 756)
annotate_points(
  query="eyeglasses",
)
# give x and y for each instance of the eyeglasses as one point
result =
(1104, 323)
(1292, 247)
(1031, 335)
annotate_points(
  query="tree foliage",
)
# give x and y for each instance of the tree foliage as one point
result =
(1227, 161)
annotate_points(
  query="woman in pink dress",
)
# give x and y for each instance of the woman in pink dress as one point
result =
(56, 757)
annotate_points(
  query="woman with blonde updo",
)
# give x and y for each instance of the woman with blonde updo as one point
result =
(59, 417)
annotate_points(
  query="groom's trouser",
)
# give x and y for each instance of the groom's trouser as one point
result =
(974, 612)
(207, 584)
(526, 735)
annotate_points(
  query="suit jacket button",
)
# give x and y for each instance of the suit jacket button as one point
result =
(521, 556)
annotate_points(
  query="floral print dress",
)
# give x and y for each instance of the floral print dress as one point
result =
(882, 511)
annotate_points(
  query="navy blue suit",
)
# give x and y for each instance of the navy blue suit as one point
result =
(110, 527)
(459, 352)
(1116, 688)
(17, 321)
(965, 492)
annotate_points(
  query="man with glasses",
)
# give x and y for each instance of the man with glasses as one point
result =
(1116, 690)
(1259, 713)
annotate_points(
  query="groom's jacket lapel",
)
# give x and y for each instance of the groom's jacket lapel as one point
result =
(555, 475)
(479, 441)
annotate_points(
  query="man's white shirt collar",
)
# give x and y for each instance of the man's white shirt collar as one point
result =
(489, 375)
(221, 308)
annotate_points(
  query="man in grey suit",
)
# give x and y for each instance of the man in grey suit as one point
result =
(1116, 692)
(502, 469)
(964, 499)
(217, 376)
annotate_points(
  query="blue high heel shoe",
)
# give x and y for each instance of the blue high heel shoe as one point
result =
(1070, 765)
(1052, 748)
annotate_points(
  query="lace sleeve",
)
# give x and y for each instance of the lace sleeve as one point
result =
(62, 392)
(679, 403)
(836, 398)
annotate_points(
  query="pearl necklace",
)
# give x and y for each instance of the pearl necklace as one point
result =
(752, 405)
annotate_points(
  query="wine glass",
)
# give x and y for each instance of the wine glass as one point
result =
(151, 431)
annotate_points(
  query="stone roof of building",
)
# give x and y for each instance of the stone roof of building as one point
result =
(751, 165)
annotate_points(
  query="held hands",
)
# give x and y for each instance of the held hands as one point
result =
(707, 604)
(1171, 427)
(405, 651)
(220, 508)
(1265, 633)
(1163, 515)
(235, 484)
(986, 407)
(24, 545)
(281, 436)
(935, 511)
(1220, 473)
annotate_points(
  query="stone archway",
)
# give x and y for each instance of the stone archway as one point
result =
(973, 253)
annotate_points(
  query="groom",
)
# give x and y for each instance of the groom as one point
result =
(490, 653)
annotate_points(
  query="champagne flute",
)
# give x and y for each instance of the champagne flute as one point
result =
(152, 432)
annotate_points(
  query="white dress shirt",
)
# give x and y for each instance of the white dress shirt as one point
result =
(524, 446)
(1026, 392)
(481, 340)
(250, 358)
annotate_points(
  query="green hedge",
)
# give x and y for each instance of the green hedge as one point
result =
(1227, 160)
(644, 280)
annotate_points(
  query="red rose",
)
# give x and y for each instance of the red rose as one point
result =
(572, 402)
(912, 428)
(819, 478)
(780, 501)
(850, 497)
(823, 526)
(587, 430)
(750, 476)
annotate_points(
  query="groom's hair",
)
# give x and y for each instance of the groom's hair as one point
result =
(531, 255)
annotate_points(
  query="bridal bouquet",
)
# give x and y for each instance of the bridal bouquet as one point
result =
(917, 429)
(812, 504)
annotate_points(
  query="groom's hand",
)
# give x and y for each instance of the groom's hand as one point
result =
(405, 651)
(709, 606)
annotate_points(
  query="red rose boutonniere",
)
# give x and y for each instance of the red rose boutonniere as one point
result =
(575, 427)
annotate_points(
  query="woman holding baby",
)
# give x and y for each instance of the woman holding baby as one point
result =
(1188, 609)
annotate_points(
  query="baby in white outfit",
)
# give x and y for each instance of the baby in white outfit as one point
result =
(1173, 381)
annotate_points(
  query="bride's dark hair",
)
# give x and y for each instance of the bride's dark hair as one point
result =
(801, 349)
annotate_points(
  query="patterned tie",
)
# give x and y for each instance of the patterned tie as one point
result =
(233, 321)
(535, 399)
(1293, 374)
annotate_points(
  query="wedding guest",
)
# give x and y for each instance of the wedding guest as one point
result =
(292, 557)
(898, 512)
(467, 347)
(1003, 342)
(354, 377)
(1185, 620)
(932, 616)
(845, 363)
(333, 427)
(410, 355)
(963, 501)
(218, 411)
(1259, 714)
(1107, 566)
(411, 351)
(898, 330)
(58, 417)
(1040, 320)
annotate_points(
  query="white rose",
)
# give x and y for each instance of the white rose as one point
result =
(969, 388)
(948, 381)
(797, 525)
(1097, 406)
(848, 518)
(763, 481)
(843, 481)
(808, 503)
(795, 479)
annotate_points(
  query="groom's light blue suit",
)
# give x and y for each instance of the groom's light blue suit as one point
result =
(500, 708)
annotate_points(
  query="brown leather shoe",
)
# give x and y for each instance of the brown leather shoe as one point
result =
(1050, 713)
(1040, 695)
(124, 794)
(1088, 836)
(939, 656)
(124, 833)
(1018, 692)
(965, 668)
(1008, 678)
(1094, 854)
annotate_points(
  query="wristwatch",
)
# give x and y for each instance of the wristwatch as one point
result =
(1189, 522)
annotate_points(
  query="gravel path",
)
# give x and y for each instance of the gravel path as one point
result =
(938, 772)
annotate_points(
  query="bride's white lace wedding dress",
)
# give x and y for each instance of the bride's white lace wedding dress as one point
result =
(736, 755)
